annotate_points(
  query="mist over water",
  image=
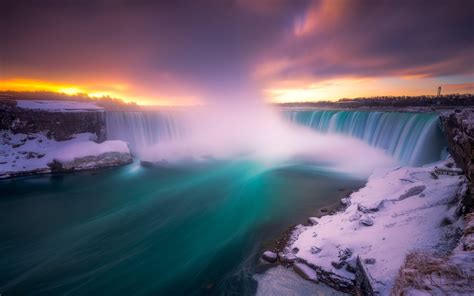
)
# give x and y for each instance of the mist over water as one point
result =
(222, 132)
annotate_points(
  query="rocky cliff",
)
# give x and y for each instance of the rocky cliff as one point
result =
(57, 124)
(458, 127)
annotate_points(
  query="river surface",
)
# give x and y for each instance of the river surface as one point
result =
(182, 230)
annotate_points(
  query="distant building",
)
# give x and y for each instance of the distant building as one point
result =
(439, 91)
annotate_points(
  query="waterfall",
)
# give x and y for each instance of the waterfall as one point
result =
(412, 138)
(142, 129)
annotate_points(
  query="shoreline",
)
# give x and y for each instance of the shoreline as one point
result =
(355, 264)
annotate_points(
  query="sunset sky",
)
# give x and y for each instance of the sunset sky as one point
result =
(193, 52)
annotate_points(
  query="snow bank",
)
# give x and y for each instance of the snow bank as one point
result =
(399, 210)
(88, 148)
(22, 154)
(57, 106)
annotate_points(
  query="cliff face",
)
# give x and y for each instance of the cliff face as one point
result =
(458, 127)
(58, 125)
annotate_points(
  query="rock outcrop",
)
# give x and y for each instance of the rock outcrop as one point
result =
(458, 127)
(57, 124)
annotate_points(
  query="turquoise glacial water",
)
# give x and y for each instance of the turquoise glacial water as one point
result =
(194, 230)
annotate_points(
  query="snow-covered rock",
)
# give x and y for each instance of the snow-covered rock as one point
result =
(313, 220)
(269, 256)
(27, 154)
(305, 271)
(399, 225)
(57, 106)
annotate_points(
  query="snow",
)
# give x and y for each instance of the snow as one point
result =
(21, 153)
(406, 206)
(87, 148)
(283, 281)
(57, 106)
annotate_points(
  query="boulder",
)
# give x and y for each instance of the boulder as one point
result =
(370, 207)
(107, 159)
(305, 271)
(338, 264)
(366, 221)
(287, 257)
(313, 220)
(345, 201)
(269, 256)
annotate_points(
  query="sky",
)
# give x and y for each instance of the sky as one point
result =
(195, 52)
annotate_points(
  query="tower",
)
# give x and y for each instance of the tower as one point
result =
(439, 91)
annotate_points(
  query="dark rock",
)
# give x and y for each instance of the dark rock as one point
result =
(59, 125)
(338, 265)
(369, 261)
(351, 265)
(344, 254)
(446, 221)
(412, 191)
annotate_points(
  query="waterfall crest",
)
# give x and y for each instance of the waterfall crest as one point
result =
(412, 138)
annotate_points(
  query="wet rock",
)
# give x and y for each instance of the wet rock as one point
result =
(366, 221)
(305, 271)
(313, 220)
(269, 256)
(345, 201)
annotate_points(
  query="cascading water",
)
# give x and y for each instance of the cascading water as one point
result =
(142, 129)
(412, 138)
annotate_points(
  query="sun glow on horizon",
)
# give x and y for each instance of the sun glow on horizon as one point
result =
(120, 91)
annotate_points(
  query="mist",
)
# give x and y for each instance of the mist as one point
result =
(258, 132)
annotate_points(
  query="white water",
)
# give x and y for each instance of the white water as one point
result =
(212, 133)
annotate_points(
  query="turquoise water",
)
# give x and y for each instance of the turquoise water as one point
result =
(189, 230)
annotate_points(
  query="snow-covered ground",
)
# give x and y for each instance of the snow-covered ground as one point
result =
(23, 154)
(399, 210)
(57, 106)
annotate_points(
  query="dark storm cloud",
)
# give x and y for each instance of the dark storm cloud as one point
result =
(199, 42)
(374, 38)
